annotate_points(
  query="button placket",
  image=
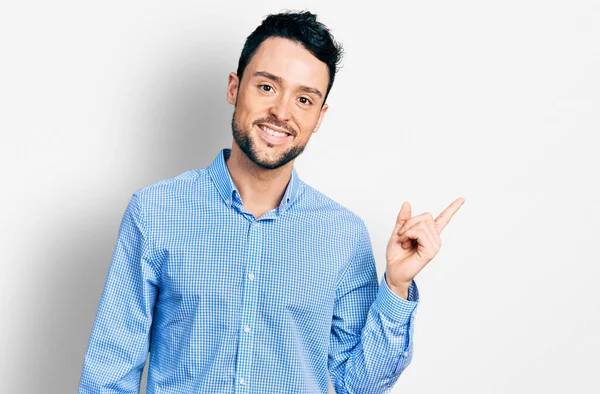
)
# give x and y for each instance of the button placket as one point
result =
(249, 305)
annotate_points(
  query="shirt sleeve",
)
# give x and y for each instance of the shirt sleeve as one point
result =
(371, 339)
(119, 341)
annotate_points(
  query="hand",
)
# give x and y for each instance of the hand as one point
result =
(415, 241)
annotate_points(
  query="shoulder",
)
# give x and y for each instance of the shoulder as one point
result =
(174, 190)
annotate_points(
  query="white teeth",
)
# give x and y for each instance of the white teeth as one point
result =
(273, 132)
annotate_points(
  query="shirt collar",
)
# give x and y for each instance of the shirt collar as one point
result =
(222, 179)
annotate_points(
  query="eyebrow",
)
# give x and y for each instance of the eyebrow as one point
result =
(279, 80)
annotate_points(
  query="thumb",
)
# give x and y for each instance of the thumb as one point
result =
(405, 213)
(403, 216)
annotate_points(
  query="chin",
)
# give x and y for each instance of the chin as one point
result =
(267, 161)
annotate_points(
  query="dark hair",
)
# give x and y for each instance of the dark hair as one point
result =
(301, 27)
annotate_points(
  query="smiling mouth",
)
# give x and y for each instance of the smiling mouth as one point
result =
(273, 132)
(273, 137)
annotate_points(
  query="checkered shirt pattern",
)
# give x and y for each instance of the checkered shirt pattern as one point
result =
(227, 303)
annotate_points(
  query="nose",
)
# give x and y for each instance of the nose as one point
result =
(280, 109)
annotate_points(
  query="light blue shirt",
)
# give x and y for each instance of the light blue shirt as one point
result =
(227, 303)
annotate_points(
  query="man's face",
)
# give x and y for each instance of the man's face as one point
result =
(283, 87)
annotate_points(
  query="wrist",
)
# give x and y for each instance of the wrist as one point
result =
(400, 290)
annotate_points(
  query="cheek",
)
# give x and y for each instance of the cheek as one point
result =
(252, 113)
(248, 105)
(244, 118)
(307, 127)
(304, 136)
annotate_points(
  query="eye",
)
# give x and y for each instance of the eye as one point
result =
(307, 100)
(269, 86)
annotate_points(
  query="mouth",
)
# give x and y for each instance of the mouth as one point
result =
(274, 136)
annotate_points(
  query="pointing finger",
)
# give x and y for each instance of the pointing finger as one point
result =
(444, 217)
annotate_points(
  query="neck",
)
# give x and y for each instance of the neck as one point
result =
(259, 187)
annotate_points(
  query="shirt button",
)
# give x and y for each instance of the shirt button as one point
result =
(250, 276)
(246, 328)
(242, 381)
(228, 202)
(255, 224)
(405, 354)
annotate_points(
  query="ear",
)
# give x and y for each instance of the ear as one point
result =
(232, 88)
(321, 115)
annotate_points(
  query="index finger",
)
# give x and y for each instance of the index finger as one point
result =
(442, 220)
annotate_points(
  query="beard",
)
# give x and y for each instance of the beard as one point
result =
(247, 145)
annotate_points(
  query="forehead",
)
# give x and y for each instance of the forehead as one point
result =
(290, 61)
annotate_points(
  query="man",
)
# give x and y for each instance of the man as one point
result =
(240, 277)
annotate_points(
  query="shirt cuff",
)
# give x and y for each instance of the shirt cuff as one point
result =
(394, 307)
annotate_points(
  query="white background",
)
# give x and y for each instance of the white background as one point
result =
(495, 102)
